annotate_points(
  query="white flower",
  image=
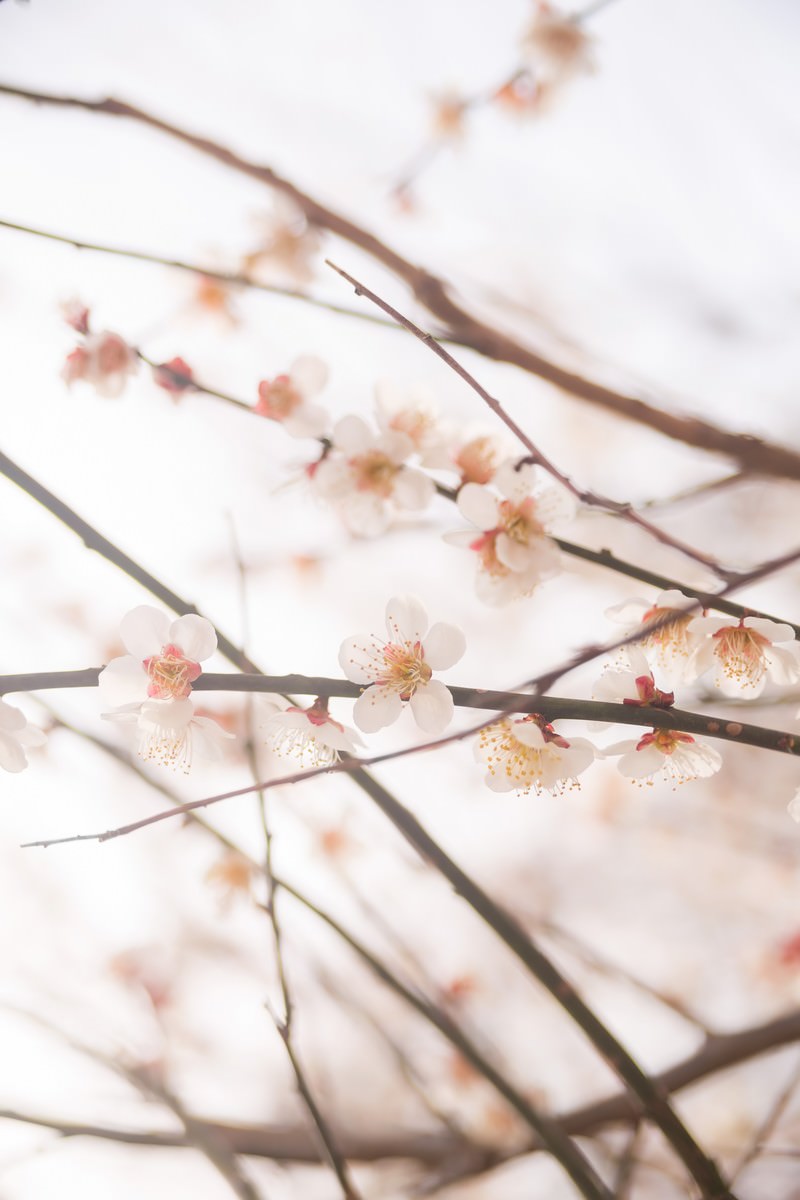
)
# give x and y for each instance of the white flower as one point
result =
(514, 551)
(745, 653)
(400, 669)
(105, 360)
(526, 753)
(558, 46)
(16, 732)
(668, 646)
(366, 477)
(169, 732)
(163, 660)
(675, 756)
(414, 414)
(310, 735)
(794, 807)
(632, 684)
(286, 398)
(288, 247)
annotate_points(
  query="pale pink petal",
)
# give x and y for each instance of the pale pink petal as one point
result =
(364, 514)
(515, 484)
(11, 719)
(12, 756)
(540, 553)
(309, 374)
(708, 626)
(478, 505)
(463, 538)
(144, 630)
(376, 708)
(352, 435)
(794, 807)
(360, 658)
(31, 736)
(332, 478)
(195, 636)
(310, 420)
(412, 489)
(629, 612)
(395, 445)
(444, 645)
(432, 706)
(123, 681)
(499, 782)
(641, 763)
(406, 619)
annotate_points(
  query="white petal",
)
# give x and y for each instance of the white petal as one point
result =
(359, 658)
(412, 489)
(432, 706)
(195, 636)
(376, 708)
(12, 756)
(123, 681)
(478, 505)
(31, 736)
(144, 630)
(629, 612)
(395, 445)
(11, 719)
(641, 763)
(515, 484)
(772, 630)
(352, 435)
(499, 782)
(444, 646)
(463, 538)
(333, 478)
(406, 619)
(529, 733)
(708, 626)
(783, 663)
(794, 807)
(309, 374)
(309, 420)
(364, 514)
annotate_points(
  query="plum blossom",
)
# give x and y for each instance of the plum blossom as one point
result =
(632, 683)
(174, 377)
(288, 247)
(414, 414)
(163, 659)
(668, 647)
(170, 733)
(668, 753)
(525, 753)
(513, 549)
(287, 398)
(478, 458)
(558, 47)
(105, 360)
(310, 735)
(16, 734)
(794, 807)
(399, 669)
(745, 653)
(365, 476)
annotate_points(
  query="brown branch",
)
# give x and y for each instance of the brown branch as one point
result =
(749, 453)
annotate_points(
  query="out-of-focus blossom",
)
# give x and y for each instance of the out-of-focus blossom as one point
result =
(76, 315)
(449, 111)
(366, 477)
(557, 46)
(288, 248)
(233, 875)
(175, 377)
(310, 735)
(163, 660)
(16, 735)
(668, 646)
(287, 398)
(478, 459)
(667, 753)
(513, 549)
(744, 654)
(105, 360)
(170, 733)
(525, 753)
(399, 669)
(414, 414)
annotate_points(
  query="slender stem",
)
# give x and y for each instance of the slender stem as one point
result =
(750, 453)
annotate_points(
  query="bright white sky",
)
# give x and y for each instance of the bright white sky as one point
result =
(646, 231)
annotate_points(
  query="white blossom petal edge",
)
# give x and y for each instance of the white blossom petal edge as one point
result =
(163, 660)
(16, 733)
(169, 732)
(398, 670)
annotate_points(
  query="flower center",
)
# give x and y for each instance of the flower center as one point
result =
(741, 652)
(171, 674)
(278, 399)
(375, 472)
(518, 521)
(112, 355)
(671, 640)
(477, 460)
(404, 668)
(667, 741)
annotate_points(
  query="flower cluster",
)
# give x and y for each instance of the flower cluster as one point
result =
(150, 687)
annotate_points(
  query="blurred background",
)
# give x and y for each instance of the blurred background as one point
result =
(640, 228)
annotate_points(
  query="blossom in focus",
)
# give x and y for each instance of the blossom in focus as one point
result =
(174, 376)
(525, 753)
(366, 477)
(668, 753)
(170, 733)
(632, 683)
(310, 735)
(744, 654)
(288, 246)
(104, 360)
(557, 46)
(399, 669)
(163, 659)
(668, 646)
(16, 734)
(513, 549)
(287, 398)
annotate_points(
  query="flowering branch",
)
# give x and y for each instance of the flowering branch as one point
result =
(750, 453)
